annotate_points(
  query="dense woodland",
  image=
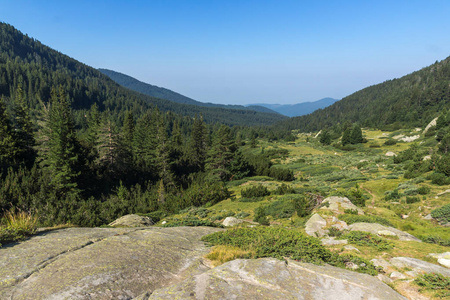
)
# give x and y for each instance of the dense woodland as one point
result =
(76, 147)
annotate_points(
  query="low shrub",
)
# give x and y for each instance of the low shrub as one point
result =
(281, 209)
(442, 214)
(351, 218)
(390, 142)
(367, 239)
(438, 283)
(191, 221)
(255, 191)
(424, 190)
(434, 239)
(261, 216)
(410, 200)
(284, 189)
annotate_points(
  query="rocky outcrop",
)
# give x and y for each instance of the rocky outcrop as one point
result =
(379, 229)
(100, 263)
(256, 279)
(339, 204)
(314, 226)
(231, 221)
(419, 266)
(132, 221)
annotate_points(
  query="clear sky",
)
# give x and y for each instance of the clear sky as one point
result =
(240, 52)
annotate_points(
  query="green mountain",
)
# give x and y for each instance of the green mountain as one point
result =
(412, 100)
(299, 109)
(163, 93)
(37, 68)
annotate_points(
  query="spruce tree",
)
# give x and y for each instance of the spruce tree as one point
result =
(221, 154)
(198, 144)
(356, 136)
(59, 157)
(8, 148)
(23, 128)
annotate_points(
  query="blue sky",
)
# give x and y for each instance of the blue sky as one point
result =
(240, 52)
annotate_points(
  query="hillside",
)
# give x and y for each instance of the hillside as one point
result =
(37, 68)
(412, 100)
(299, 109)
(163, 93)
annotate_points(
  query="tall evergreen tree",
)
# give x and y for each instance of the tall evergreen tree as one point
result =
(163, 160)
(221, 154)
(356, 136)
(59, 157)
(23, 128)
(8, 148)
(198, 144)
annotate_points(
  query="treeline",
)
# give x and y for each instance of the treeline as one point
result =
(37, 68)
(107, 165)
(411, 101)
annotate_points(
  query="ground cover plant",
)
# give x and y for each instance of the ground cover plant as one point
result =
(16, 226)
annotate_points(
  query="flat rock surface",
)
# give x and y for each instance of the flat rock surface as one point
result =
(314, 226)
(100, 263)
(419, 265)
(376, 228)
(254, 279)
(132, 221)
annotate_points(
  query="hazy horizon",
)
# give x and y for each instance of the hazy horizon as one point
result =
(244, 52)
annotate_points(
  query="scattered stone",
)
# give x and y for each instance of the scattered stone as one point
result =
(428, 217)
(397, 275)
(419, 265)
(132, 221)
(427, 157)
(351, 248)
(342, 203)
(331, 242)
(390, 153)
(444, 262)
(386, 233)
(398, 137)
(340, 225)
(418, 129)
(405, 216)
(444, 192)
(375, 228)
(163, 222)
(314, 226)
(379, 262)
(231, 221)
(445, 255)
(409, 139)
(255, 279)
(351, 265)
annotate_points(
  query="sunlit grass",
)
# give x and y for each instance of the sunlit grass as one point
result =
(223, 253)
(17, 225)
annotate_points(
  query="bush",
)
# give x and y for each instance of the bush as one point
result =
(191, 221)
(261, 216)
(391, 195)
(302, 205)
(423, 190)
(438, 178)
(390, 142)
(367, 239)
(350, 219)
(435, 282)
(434, 239)
(280, 209)
(284, 189)
(442, 214)
(410, 200)
(255, 191)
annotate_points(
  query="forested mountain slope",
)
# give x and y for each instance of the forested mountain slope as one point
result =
(35, 67)
(412, 100)
(163, 93)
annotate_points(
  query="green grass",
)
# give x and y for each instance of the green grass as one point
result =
(17, 226)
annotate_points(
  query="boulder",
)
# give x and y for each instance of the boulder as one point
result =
(231, 221)
(255, 279)
(419, 265)
(443, 258)
(390, 153)
(132, 221)
(375, 228)
(100, 263)
(339, 204)
(397, 275)
(379, 262)
(314, 226)
(332, 242)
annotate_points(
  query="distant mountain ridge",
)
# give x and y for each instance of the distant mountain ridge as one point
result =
(163, 93)
(299, 109)
(410, 101)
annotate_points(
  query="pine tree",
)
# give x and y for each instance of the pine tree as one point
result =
(325, 137)
(59, 156)
(221, 154)
(144, 144)
(163, 159)
(23, 128)
(198, 144)
(8, 148)
(346, 137)
(356, 136)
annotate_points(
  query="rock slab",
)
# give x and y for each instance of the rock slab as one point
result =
(231, 221)
(100, 263)
(419, 265)
(314, 226)
(254, 279)
(379, 229)
(132, 221)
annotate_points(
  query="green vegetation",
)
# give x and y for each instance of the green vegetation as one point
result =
(283, 243)
(442, 213)
(17, 226)
(437, 283)
(367, 239)
(355, 218)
